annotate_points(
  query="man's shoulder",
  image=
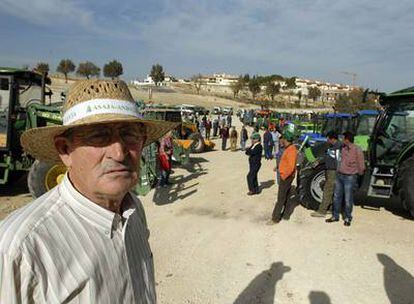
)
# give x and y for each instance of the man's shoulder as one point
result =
(17, 227)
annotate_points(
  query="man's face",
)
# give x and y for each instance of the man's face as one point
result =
(331, 140)
(104, 160)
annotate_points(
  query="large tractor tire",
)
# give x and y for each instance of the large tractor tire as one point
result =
(405, 185)
(44, 176)
(198, 144)
(311, 184)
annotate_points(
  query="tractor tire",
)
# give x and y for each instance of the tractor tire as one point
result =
(405, 186)
(198, 145)
(44, 176)
(311, 184)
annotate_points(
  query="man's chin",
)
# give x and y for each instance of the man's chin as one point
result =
(121, 181)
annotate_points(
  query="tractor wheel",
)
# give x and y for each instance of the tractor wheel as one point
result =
(404, 184)
(198, 145)
(312, 182)
(44, 176)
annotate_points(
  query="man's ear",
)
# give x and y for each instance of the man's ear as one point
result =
(63, 146)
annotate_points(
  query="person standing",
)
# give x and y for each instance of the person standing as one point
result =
(275, 138)
(224, 133)
(287, 169)
(351, 165)
(255, 162)
(215, 126)
(233, 139)
(268, 144)
(165, 155)
(208, 128)
(229, 120)
(331, 158)
(243, 138)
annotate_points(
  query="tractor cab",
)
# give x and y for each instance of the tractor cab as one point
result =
(337, 122)
(22, 106)
(18, 90)
(365, 124)
(391, 149)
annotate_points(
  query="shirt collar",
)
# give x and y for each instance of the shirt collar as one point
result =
(104, 220)
(255, 144)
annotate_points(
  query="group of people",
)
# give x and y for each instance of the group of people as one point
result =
(209, 127)
(344, 162)
(285, 169)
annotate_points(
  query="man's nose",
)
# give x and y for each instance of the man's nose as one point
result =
(117, 149)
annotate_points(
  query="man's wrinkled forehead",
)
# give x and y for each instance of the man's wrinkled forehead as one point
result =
(137, 127)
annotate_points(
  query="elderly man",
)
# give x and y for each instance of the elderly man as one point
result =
(86, 240)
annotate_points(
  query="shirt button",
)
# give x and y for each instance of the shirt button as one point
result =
(106, 232)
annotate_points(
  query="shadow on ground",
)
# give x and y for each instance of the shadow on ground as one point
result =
(263, 287)
(179, 189)
(319, 297)
(266, 184)
(398, 282)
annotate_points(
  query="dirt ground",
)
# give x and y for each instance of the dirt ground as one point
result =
(211, 244)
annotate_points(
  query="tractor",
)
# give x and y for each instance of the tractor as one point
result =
(338, 122)
(186, 134)
(389, 156)
(22, 106)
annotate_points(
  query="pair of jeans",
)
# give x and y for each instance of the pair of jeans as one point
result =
(284, 205)
(223, 143)
(328, 191)
(344, 191)
(268, 151)
(252, 182)
(243, 145)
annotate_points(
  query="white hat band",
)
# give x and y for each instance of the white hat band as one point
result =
(100, 106)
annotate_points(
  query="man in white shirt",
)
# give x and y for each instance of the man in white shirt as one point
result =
(86, 240)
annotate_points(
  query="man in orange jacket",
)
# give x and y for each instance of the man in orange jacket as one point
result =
(287, 169)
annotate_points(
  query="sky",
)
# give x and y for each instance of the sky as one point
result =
(318, 39)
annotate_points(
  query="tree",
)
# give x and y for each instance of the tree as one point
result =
(254, 86)
(157, 73)
(290, 84)
(65, 67)
(298, 101)
(42, 68)
(272, 89)
(88, 69)
(237, 86)
(113, 69)
(355, 101)
(314, 93)
(246, 78)
(197, 82)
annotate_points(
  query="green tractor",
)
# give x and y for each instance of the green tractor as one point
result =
(389, 154)
(22, 106)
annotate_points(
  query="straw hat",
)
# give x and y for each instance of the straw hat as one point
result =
(91, 102)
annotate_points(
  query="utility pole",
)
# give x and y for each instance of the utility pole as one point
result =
(353, 75)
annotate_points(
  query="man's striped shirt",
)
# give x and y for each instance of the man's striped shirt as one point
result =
(63, 248)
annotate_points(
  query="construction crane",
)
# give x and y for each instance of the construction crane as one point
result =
(353, 75)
